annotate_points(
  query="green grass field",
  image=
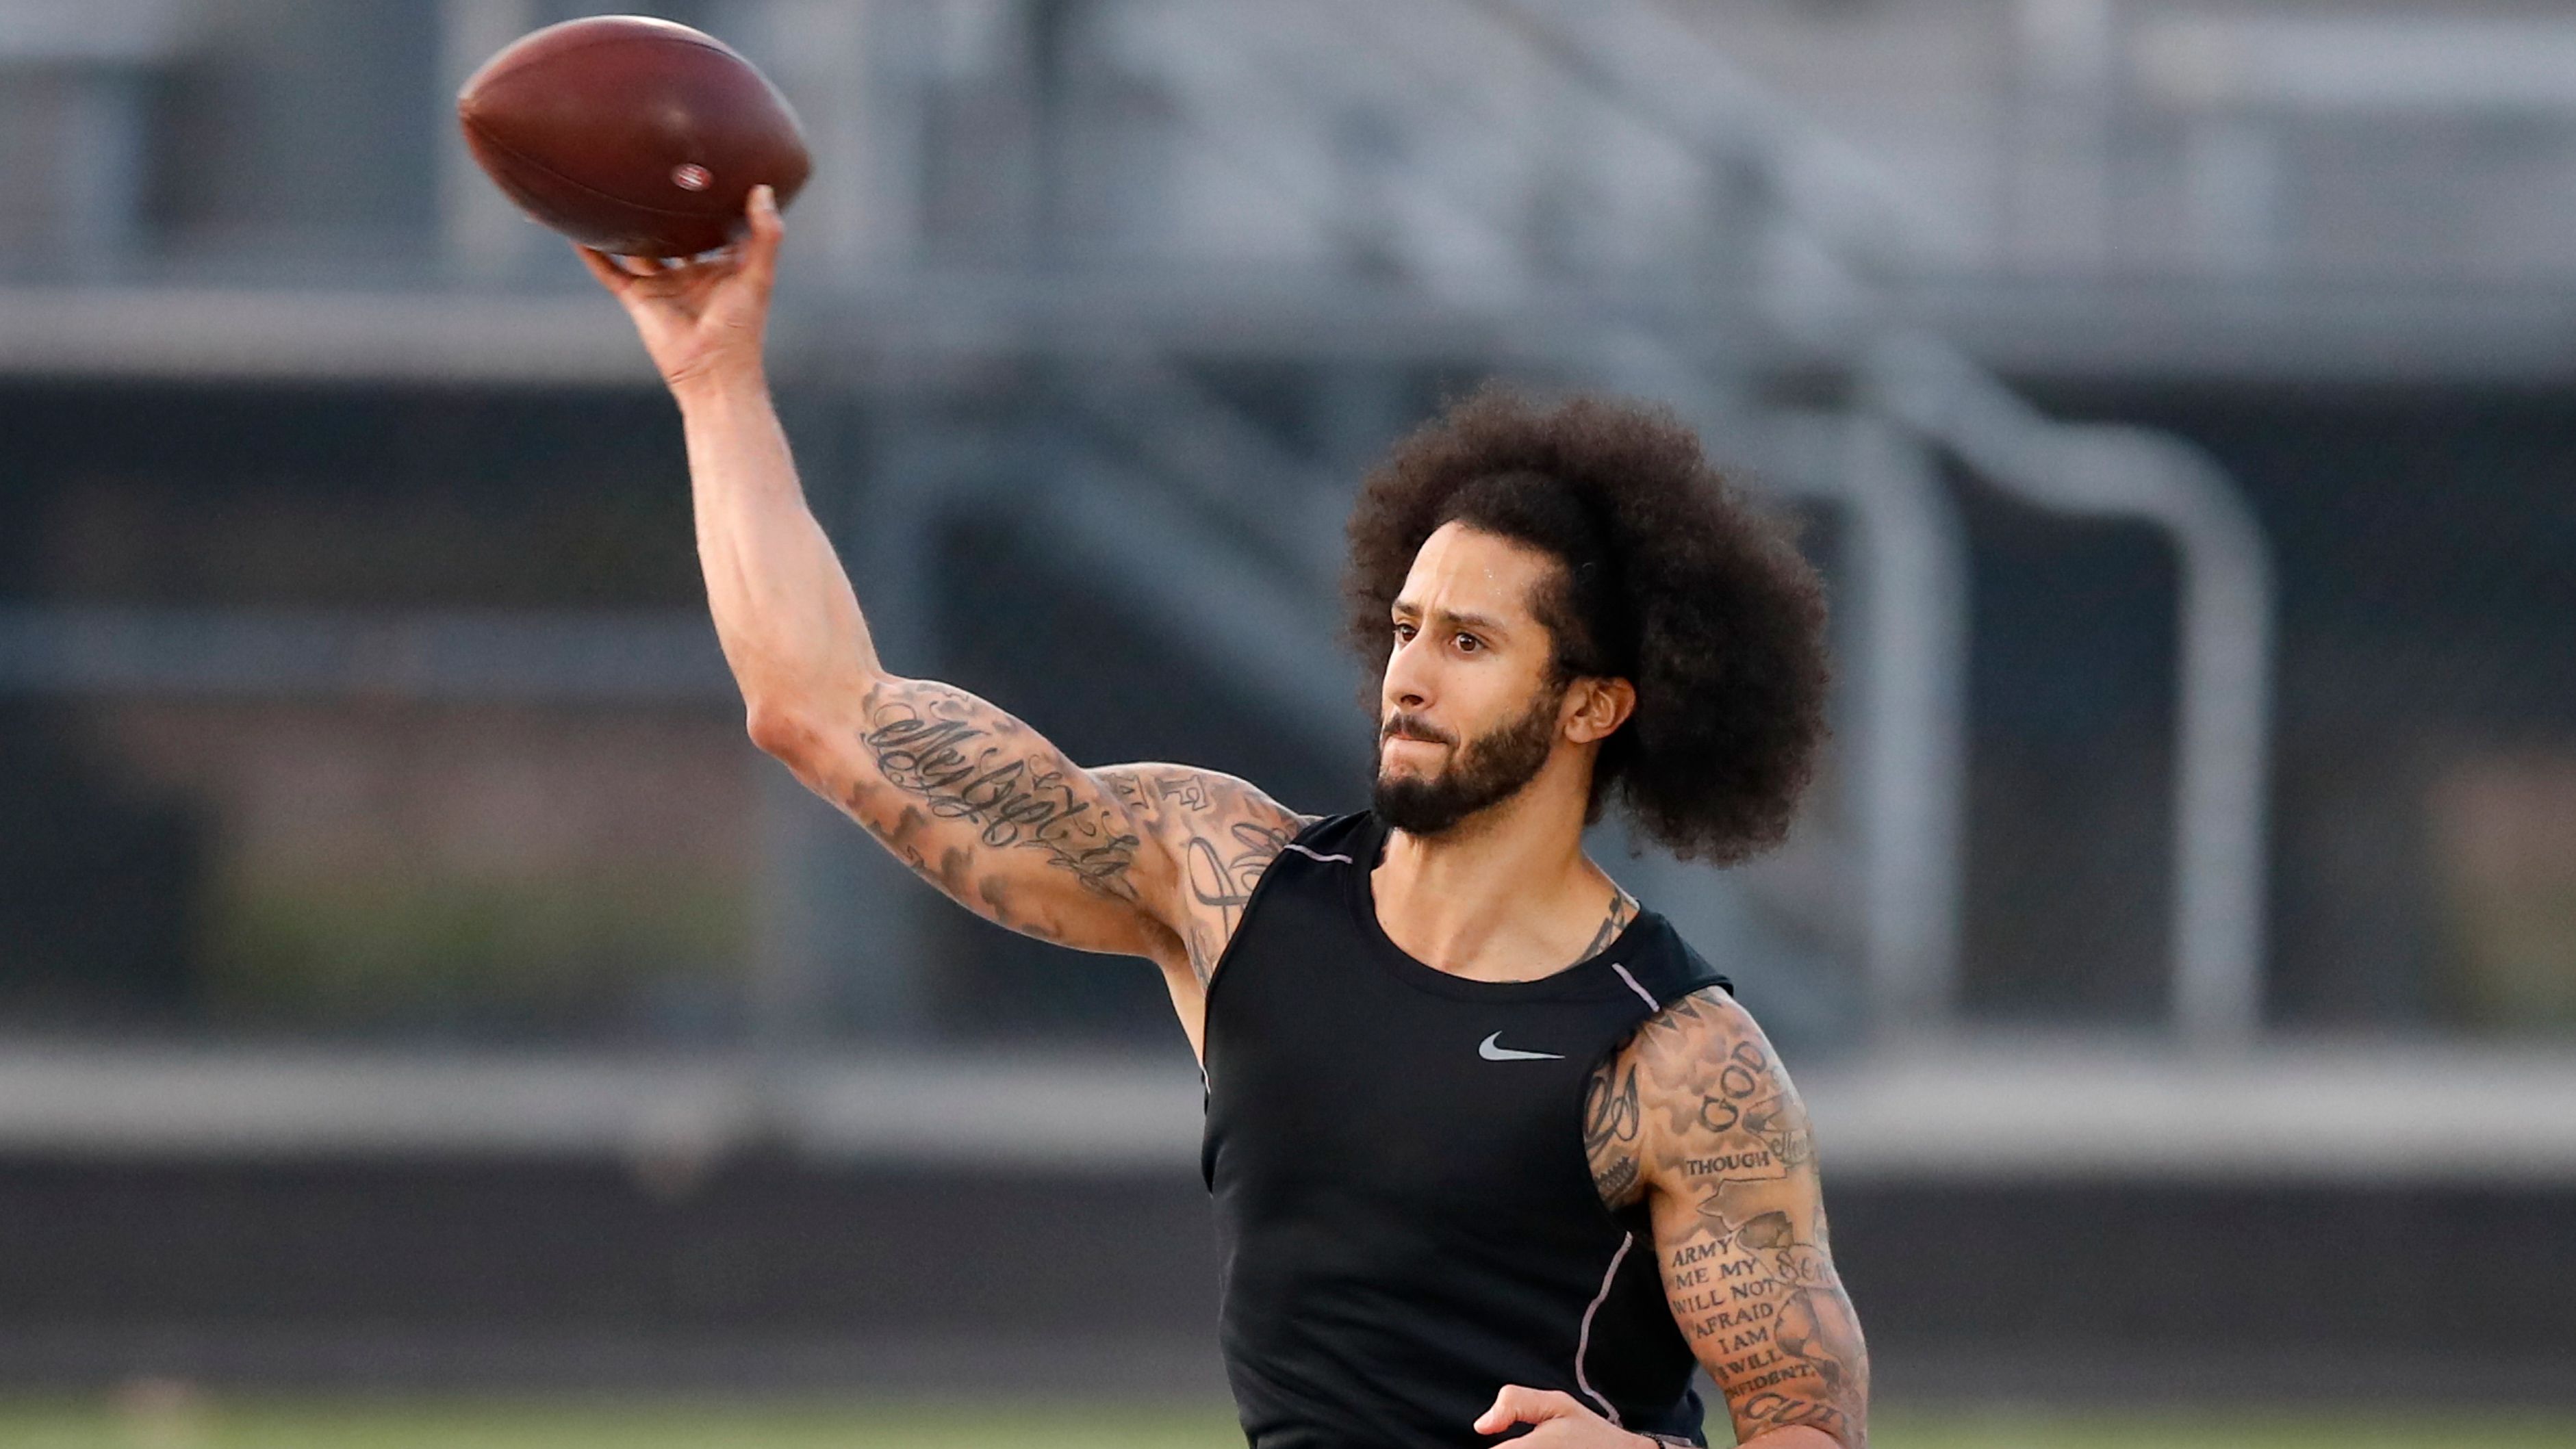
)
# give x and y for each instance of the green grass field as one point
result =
(176, 1420)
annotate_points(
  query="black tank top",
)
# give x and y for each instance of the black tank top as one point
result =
(1405, 1213)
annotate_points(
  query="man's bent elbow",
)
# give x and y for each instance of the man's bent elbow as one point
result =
(780, 729)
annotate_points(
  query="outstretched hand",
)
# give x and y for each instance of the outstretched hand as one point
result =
(701, 320)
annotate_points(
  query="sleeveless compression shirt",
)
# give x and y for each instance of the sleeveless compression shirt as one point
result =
(1407, 1220)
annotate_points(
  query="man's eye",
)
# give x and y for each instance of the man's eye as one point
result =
(1404, 631)
(1469, 643)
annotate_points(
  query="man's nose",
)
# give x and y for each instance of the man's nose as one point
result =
(1405, 688)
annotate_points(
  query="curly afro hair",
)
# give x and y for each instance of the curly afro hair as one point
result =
(1672, 580)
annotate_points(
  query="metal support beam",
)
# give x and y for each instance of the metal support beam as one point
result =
(1907, 587)
(484, 235)
(2222, 784)
(530, 656)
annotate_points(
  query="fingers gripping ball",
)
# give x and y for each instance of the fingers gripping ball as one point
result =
(633, 136)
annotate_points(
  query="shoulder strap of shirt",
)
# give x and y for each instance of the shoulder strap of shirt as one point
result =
(1662, 968)
(1331, 840)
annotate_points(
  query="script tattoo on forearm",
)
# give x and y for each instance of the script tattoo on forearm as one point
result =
(1739, 1218)
(1762, 1306)
(966, 761)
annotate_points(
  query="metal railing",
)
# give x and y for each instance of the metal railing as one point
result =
(1792, 232)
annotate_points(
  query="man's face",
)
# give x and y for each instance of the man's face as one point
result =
(1468, 714)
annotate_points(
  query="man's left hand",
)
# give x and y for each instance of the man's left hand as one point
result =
(1562, 1422)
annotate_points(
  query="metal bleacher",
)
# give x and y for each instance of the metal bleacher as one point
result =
(1370, 200)
(1587, 196)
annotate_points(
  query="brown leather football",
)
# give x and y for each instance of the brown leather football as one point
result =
(635, 136)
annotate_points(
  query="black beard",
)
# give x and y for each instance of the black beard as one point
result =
(1491, 769)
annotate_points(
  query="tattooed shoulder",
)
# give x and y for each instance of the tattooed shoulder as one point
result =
(1222, 833)
(1716, 1082)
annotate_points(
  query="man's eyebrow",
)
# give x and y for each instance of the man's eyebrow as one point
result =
(1456, 619)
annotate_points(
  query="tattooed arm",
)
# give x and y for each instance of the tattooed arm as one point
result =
(1146, 860)
(1150, 860)
(1697, 1117)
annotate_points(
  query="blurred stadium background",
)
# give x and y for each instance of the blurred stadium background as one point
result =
(412, 984)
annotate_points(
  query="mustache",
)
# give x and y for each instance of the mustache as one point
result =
(1416, 727)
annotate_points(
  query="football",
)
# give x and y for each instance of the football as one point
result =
(638, 137)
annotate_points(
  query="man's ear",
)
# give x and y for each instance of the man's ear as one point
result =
(1597, 707)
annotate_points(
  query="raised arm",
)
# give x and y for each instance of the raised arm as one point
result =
(1698, 1116)
(1148, 860)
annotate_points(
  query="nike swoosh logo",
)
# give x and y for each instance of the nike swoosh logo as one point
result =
(1490, 1051)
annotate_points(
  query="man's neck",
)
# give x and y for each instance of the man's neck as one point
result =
(1508, 895)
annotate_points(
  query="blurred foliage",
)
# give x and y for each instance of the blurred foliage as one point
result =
(492, 950)
(2504, 844)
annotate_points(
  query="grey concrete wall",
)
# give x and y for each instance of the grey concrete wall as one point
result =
(775, 1273)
